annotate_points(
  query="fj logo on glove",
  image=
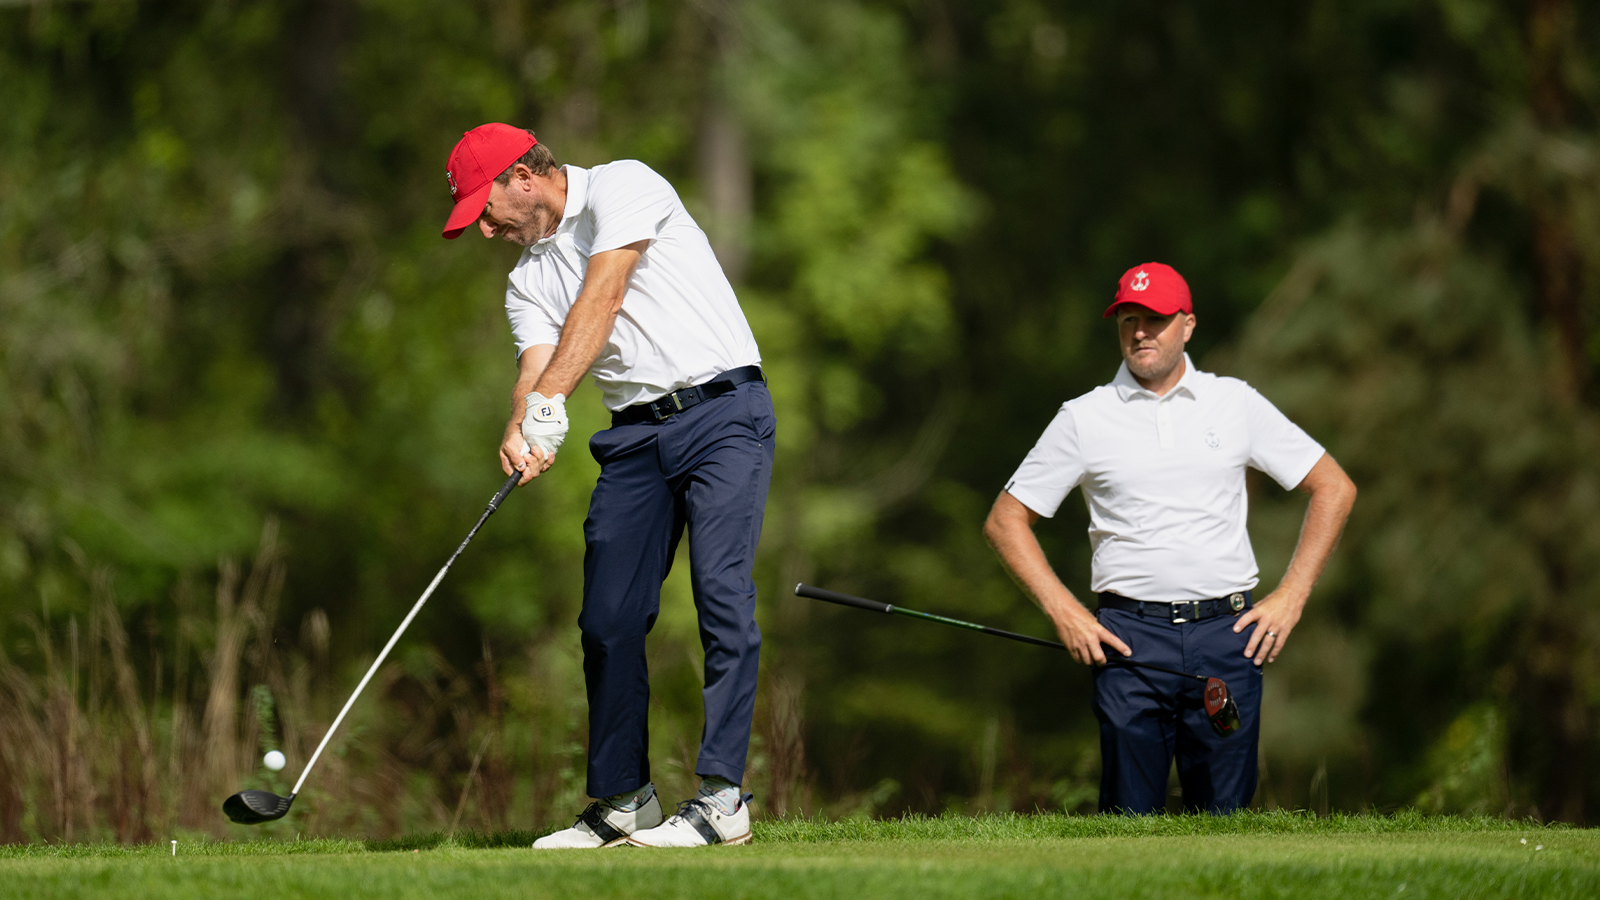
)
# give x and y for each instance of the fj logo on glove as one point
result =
(544, 412)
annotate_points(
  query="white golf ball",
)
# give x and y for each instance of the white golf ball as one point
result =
(273, 760)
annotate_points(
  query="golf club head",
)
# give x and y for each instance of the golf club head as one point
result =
(255, 807)
(1220, 708)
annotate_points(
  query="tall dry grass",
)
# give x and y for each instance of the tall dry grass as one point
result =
(96, 745)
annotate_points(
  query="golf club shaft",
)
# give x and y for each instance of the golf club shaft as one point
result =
(494, 504)
(816, 593)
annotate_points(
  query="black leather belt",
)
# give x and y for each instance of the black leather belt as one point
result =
(686, 398)
(1187, 611)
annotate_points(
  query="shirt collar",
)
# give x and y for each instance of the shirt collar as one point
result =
(1129, 387)
(577, 199)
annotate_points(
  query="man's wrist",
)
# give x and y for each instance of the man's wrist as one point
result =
(1065, 607)
(1292, 594)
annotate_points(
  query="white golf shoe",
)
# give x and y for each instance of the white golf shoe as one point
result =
(698, 823)
(602, 825)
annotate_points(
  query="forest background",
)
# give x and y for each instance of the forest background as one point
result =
(250, 400)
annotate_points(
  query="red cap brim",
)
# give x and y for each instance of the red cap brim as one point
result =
(466, 211)
(1161, 306)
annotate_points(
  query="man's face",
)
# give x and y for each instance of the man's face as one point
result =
(1152, 344)
(522, 211)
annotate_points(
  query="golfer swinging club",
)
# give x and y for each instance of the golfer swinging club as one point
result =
(1160, 453)
(617, 280)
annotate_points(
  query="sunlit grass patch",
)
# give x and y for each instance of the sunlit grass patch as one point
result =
(1250, 855)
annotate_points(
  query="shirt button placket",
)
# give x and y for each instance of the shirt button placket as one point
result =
(1164, 424)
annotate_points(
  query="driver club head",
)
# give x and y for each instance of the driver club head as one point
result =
(255, 807)
(1220, 708)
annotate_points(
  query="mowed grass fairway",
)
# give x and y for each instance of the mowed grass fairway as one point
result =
(1247, 856)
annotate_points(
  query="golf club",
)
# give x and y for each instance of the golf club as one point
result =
(255, 807)
(1221, 710)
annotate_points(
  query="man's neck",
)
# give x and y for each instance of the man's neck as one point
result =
(1160, 386)
(558, 182)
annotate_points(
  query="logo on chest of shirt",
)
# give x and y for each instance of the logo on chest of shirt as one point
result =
(1211, 438)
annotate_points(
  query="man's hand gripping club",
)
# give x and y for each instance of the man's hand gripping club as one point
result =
(534, 441)
(549, 373)
(544, 425)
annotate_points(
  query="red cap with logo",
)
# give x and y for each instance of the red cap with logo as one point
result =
(1155, 286)
(479, 157)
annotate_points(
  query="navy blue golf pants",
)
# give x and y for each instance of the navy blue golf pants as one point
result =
(1147, 718)
(706, 470)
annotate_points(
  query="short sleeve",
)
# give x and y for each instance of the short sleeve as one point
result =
(1051, 469)
(1278, 446)
(531, 323)
(630, 203)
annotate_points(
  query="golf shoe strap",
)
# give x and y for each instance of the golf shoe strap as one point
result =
(694, 813)
(595, 818)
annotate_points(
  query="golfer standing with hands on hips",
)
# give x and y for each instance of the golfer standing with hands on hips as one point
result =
(617, 280)
(1160, 454)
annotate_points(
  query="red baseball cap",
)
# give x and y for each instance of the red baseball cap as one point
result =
(1155, 286)
(479, 157)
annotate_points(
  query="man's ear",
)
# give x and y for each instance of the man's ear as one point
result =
(1188, 326)
(522, 176)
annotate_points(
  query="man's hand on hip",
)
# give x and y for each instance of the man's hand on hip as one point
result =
(544, 426)
(1274, 618)
(1083, 634)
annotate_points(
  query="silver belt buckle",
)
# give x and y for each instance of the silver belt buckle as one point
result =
(1176, 607)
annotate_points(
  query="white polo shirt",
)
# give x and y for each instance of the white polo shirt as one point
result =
(1164, 480)
(680, 322)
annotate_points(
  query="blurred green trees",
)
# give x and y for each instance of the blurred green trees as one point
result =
(225, 312)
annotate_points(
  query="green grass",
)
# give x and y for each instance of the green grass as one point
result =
(1252, 855)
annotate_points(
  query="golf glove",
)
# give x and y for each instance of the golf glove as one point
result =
(545, 424)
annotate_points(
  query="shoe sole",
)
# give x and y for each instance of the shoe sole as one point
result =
(619, 842)
(730, 842)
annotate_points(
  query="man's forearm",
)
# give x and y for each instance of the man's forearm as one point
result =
(585, 333)
(1010, 532)
(1332, 496)
(530, 366)
(588, 324)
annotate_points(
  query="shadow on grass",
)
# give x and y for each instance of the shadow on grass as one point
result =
(470, 840)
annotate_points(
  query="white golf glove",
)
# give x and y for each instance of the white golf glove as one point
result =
(545, 424)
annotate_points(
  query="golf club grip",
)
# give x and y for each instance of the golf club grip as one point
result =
(816, 593)
(505, 490)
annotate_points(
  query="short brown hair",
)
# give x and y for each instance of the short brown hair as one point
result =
(538, 158)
